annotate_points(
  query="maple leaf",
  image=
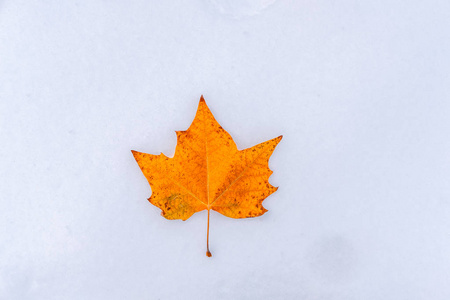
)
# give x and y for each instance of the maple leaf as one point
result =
(209, 172)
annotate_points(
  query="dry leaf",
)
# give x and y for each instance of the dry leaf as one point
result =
(209, 172)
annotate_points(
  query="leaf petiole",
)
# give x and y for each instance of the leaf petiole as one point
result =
(207, 238)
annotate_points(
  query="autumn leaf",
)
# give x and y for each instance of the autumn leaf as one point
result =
(209, 172)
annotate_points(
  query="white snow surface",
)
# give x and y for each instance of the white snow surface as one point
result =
(359, 89)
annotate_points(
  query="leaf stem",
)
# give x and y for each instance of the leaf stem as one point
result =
(207, 238)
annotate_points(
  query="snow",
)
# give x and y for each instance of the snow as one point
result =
(360, 90)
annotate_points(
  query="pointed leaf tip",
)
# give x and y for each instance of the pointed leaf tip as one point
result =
(202, 99)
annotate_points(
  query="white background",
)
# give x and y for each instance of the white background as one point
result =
(359, 89)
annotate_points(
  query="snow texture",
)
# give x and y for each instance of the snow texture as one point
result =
(359, 89)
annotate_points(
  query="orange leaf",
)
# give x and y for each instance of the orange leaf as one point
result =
(209, 172)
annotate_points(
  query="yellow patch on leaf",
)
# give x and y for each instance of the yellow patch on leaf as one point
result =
(209, 172)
